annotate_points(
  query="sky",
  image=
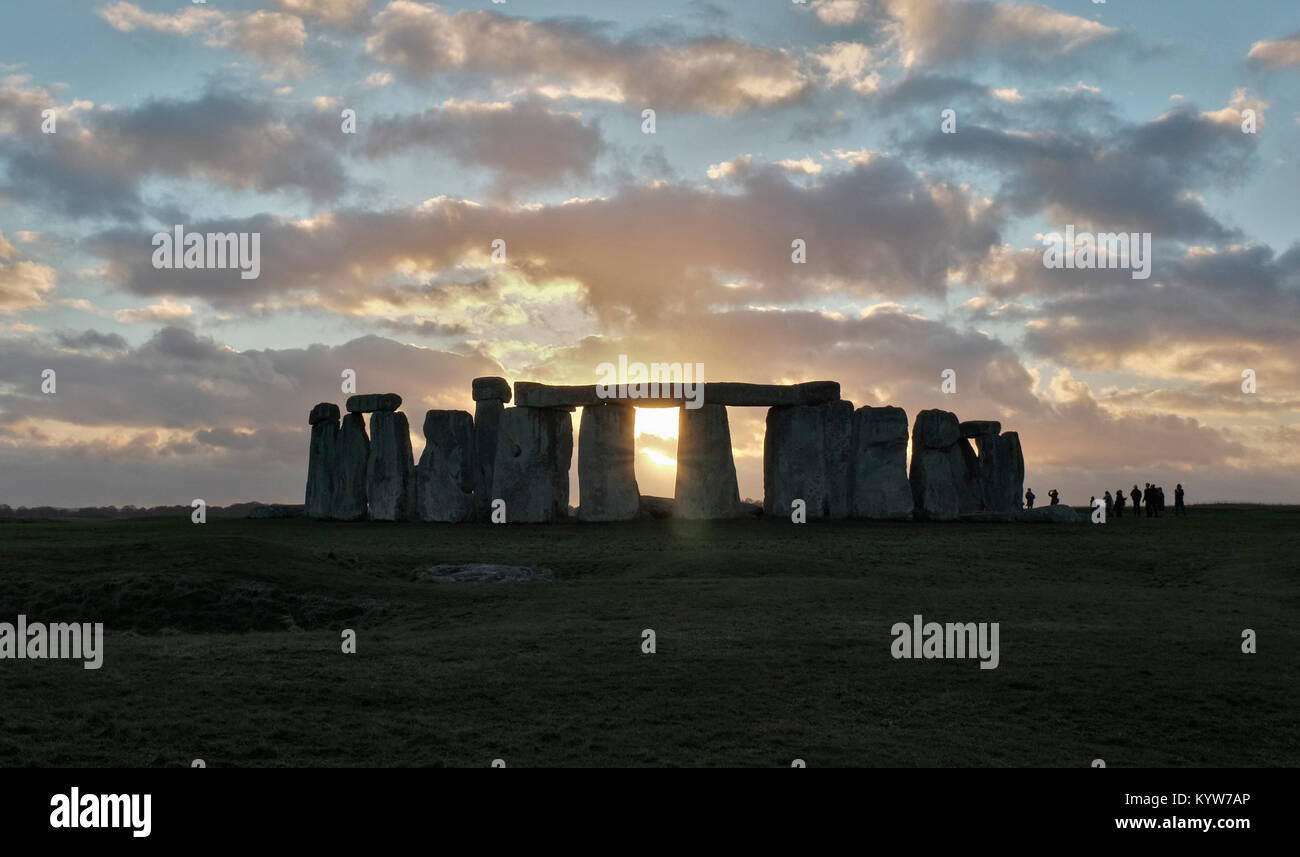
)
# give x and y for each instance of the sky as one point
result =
(524, 122)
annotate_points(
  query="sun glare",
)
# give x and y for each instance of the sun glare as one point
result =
(660, 422)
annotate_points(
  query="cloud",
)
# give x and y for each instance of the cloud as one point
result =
(96, 162)
(334, 13)
(563, 58)
(165, 312)
(24, 285)
(561, 146)
(871, 227)
(1280, 53)
(929, 33)
(1132, 177)
(274, 39)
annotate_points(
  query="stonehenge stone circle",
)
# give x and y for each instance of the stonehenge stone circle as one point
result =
(806, 457)
(843, 463)
(706, 471)
(390, 470)
(531, 474)
(352, 457)
(878, 483)
(321, 459)
(606, 463)
(369, 402)
(444, 478)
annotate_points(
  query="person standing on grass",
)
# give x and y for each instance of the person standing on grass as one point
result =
(1179, 507)
(1110, 504)
(1029, 499)
(1119, 503)
(1056, 498)
(1149, 500)
(1136, 494)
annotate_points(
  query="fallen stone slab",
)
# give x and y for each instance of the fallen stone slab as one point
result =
(491, 388)
(276, 510)
(1058, 514)
(657, 508)
(531, 473)
(371, 402)
(352, 458)
(530, 394)
(607, 464)
(444, 478)
(878, 484)
(390, 472)
(482, 572)
(706, 472)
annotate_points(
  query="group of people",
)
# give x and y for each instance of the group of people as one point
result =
(1153, 496)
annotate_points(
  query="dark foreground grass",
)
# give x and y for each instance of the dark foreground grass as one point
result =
(1119, 642)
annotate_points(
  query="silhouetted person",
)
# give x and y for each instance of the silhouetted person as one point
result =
(1137, 501)
(1179, 507)
(1056, 498)
(1119, 503)
(1110, 504)
(1149, 500)
(1029, 499)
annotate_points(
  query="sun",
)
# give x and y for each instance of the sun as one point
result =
(660, 422)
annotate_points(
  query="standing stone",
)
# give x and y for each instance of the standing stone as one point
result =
(533, 451)
(490, 396)
(321, 460)
(490, 389)
(878, 485)
(607, 463)
(444, 478)
(352, 457)
(806, 453)
(1002, 471)
(390, 473)
(943, 482)
(706, 472)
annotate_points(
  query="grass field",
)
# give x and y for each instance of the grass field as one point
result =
(1120, 642)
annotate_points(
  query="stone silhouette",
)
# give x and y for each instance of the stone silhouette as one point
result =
(531, 473)
(806, 454)
(321, 458)
(390, 470)
(706, 471)
(607, 464)
(444, 478)
(878, 484)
